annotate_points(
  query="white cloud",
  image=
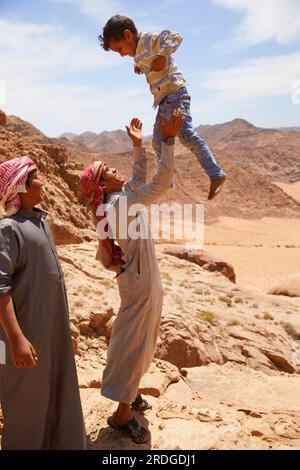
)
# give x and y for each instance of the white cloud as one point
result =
(103, 9)
(59, 108)
(257, 78)
(265, 20)
(157, 8)
(34, 66)
(36, 50)
(99, 9)
(2, 92)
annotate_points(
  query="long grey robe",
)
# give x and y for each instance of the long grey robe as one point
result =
(135, 331)
(41, 406)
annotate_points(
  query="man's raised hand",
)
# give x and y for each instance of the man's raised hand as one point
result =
(134, 131)
(172, 127)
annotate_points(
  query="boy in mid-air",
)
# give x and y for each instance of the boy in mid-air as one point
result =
(152, 54)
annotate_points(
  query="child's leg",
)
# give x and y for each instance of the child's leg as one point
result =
(189, 137)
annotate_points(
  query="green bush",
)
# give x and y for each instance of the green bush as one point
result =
(207, 316)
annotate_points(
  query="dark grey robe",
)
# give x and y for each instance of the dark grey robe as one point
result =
(41, 406)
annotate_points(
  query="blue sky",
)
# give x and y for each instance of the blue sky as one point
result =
(241, 59)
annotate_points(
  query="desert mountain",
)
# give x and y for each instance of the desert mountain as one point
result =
(105, 142)
(276, 154)
(289, 129)
(26, 130)
(253, 159)
(63, 200)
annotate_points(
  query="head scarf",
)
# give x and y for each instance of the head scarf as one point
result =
(13, 177)
(109, 253)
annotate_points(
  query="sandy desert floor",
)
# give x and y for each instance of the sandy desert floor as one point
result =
(291, 189)
(261, 251)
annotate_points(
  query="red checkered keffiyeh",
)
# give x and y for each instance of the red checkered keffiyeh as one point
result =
(13, 176)
(109, 253)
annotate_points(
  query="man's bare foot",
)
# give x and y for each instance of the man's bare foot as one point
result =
(215, 187)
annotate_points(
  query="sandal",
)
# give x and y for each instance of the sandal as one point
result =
(130, 429)
(140, 404)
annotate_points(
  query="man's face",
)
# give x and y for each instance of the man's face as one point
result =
(111, 180)
(34, 188)
(125, 46)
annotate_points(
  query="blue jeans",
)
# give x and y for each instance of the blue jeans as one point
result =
(188, 135)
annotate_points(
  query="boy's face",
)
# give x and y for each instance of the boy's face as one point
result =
(34, 188)
(125, 46)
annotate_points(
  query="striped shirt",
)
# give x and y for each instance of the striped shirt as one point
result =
(151, 45)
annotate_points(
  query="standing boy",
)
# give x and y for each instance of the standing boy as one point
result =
(38, 384)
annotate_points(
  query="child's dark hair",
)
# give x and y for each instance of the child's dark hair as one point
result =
(30, 178)
(114, 29)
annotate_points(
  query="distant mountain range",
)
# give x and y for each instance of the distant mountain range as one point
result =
(289, 129)
(105, 142)
(253, 158)
(274, 152)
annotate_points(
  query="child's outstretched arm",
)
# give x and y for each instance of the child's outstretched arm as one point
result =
(166, 43)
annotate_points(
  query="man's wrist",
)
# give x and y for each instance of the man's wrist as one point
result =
(15, 338)
(169, 140)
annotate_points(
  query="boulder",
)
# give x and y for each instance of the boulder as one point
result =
(289, 286)
(204, 260)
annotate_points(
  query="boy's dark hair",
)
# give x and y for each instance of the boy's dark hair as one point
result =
(114, 29)
(29, 178)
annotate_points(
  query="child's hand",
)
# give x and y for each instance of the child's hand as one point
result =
(137, 70)
(23, 353)
(135, 132)
(173, 126)
(158, 63)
